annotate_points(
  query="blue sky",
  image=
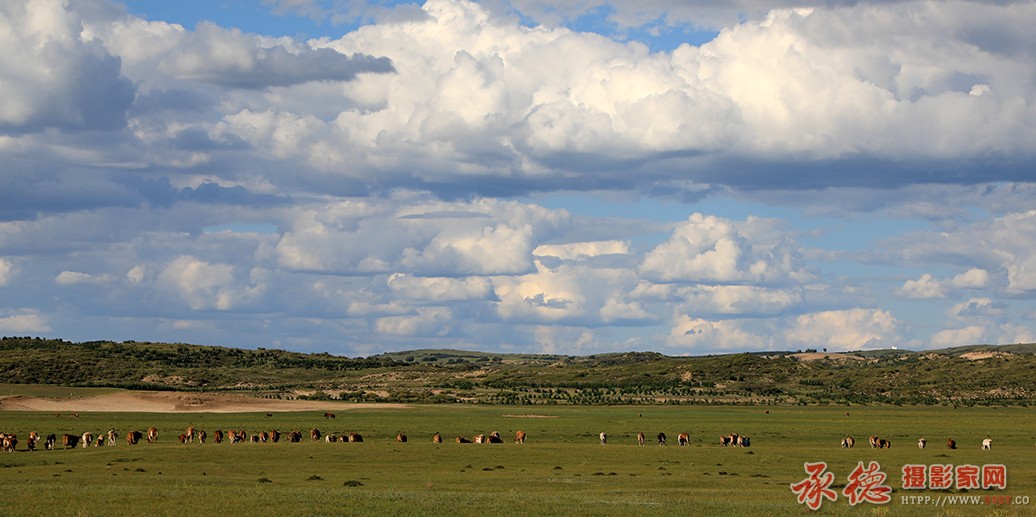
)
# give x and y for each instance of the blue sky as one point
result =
(518, 176)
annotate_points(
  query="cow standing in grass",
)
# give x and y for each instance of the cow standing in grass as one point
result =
(9, 442)
(683, 439)
(519, 437)
(640, 438)
(152, 434)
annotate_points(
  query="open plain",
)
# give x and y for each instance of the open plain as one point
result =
(562, 469)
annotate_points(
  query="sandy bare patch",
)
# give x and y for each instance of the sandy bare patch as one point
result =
(176, 402)
(976, 356)
(531, 416)
(816, 356)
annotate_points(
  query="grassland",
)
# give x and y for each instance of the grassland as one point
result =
(561, 470)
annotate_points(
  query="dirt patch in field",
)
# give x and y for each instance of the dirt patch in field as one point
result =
(174, 402)
(816, 356)
(978, 356)
(531, 416)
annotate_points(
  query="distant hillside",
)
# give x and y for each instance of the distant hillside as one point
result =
(980, 374)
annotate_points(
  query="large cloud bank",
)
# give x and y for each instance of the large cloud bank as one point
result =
(380, 190)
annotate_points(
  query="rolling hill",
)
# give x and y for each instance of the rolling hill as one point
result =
(972, 375)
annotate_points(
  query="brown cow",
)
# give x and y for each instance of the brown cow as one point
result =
(641, 438)
(355, 437)
(217, 436)
(69, 440)
(99, 442)
(848, 442)
(400, 437)
(494, 437)
(725, 439)
(263, 436)
(152, 434)
(9, 441)
(683, 438)
(88, 439)
(202, 436)
(330, 438)
(951, 444)
(884, 444)
(479, 438)
(34, 438)
(461, 439)
(519, 437)
(275, 436)
(437, 438)
(190, 434)
(743, 441)
(183, 437)
(329, 415)
(112, 437)
(295, 436)
(873, 440)
(132, 437)
(314, 434)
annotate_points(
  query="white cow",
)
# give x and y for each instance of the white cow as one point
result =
(921, 442)
(987, 444)
(604, 438)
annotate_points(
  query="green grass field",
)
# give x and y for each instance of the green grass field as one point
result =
(561, 470)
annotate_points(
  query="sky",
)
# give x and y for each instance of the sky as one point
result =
(570, 177)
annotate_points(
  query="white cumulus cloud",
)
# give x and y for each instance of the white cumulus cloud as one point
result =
(851, 329)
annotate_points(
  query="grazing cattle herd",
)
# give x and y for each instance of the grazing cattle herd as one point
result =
(9, 442)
